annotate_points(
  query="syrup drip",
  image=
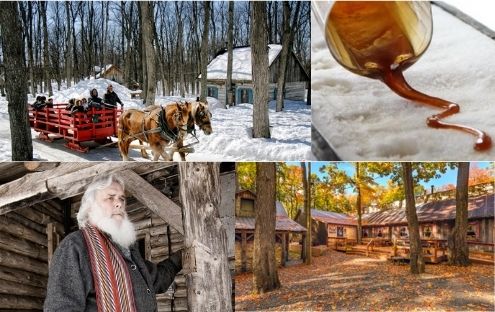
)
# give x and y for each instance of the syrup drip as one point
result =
(380, 40)
(394, 79)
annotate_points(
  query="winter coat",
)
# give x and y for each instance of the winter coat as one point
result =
(70, 281)
(112, 98)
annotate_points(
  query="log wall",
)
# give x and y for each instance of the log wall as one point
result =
(24, 255)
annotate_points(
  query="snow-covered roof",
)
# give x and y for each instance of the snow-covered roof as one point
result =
(101, 72)
(241, 63)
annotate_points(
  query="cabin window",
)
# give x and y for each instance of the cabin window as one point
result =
(473, 231)
(403, 232)
(380, 234)
(365, 233)
(244, 95)
(213, 92)
(247, 207)
(340, 231)
(427, 231)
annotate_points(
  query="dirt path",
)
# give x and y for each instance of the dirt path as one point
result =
(337, 281)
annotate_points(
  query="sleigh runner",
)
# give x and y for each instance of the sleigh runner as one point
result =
(58, 123)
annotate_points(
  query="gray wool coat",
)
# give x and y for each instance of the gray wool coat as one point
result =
(70, 280)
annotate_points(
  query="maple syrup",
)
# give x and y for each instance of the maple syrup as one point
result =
(381, 39)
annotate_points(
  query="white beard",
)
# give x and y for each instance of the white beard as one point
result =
(124, 235)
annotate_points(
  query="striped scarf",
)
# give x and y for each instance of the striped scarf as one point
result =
(111, 276)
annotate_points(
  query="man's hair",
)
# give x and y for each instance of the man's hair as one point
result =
(89, 198)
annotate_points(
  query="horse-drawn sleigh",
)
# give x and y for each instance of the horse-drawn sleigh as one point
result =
(58, 122)
(164, 128)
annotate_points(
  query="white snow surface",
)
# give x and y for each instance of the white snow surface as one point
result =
(364, 120)
(230, 141)
(241, 63)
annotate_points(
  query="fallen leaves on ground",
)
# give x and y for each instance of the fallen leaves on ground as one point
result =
(342, 282)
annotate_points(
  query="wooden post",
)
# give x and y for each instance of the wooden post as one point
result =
(205, 258)
(287, 246)
(284, 251)
(303, 250)
(243, 251)
(50, 232)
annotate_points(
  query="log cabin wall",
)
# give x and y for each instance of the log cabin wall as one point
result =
(24, 254)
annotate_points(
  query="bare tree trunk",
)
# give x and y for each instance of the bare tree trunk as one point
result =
(46, 59)
(15, 81)
(205, 238)
(68, 45)
(230, 52)
(458, 248)
(358, 204)
(147, 20)
(180, 48)
(416, 262)
(287, 38)
(259, 57)
(204, 52)
(307, 209)
(265, 275)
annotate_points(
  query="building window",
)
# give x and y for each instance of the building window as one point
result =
(380, 234)
(403, 232)
(427, 231)
(213, 92)
(244, 95)
(473, 231)
(365, 233)
(340, 231)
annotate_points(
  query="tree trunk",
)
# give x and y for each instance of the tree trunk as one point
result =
(46, 58)
(307, 209)
(416, 262)
(204, 52)
(259, 56)
(265, 275)
(68, 45)
(147, 20)
(206, 263)
(230, 52)
(283, 57)
(15, 81)
(180, 49)
(358, 204)
(458, 248)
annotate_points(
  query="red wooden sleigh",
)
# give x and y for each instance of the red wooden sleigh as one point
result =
(55, 123)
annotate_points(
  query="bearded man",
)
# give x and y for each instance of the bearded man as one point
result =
(99, 267)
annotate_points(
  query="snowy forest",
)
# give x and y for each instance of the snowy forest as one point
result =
(160, 52)
(67, 41)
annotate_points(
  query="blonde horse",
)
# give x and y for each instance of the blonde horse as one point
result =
(159, 126)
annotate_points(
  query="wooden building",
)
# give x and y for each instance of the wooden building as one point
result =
(297, 80)
(436, 221)
(327, 226)
(286, 230)
(110, 72)
(39, 201)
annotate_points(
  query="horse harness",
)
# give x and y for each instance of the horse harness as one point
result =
(171, 135)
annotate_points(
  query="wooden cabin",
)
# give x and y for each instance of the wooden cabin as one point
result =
(297, 80)
(436, 222)
(110, 72)
(286, 230)
(328, 227)
(38, 209)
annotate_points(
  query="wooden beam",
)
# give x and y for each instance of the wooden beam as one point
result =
(205, 239)
(40, 165)
(283, 254)
(21, 276)
(16, 261)
(19, 289)
(152, 198)
(22, 246)
(16, 229)
(66, 180)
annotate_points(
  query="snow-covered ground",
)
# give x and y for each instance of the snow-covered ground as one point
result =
(230, 141)
(364, 120)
